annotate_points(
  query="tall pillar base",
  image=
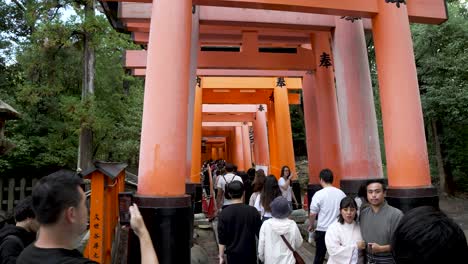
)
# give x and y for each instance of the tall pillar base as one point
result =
(351, 187)
(407, 199)
(311, 190)
(169, 223)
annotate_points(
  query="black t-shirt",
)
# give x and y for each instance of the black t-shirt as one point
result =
(238, 225)
(33, 255)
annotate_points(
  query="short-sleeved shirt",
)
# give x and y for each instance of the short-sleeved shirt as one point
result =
(379, 227)
(35, 255)
(230, 177)
(238, 225)
(326, 204)
(288, 193)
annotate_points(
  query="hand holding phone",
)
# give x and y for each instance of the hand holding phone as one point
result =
(125, 201)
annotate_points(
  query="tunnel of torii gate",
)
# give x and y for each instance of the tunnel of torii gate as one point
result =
(220, 53)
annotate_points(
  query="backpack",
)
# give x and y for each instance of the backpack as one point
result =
(226, 195)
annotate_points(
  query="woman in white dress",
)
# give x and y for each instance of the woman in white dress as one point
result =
(343, 238)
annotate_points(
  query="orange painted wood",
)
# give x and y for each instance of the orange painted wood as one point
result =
(238, 149)
(358, 123)
(261, 139)
(230, 117)
(246, 147)
(163, 158)
(405, 140)
(235, 96)
(273, 141)
(248, 82)
(329, 128)
(109, 219)
(284, 131)
(96, 244)
(136, 59)
(309, 91)
(196, 137)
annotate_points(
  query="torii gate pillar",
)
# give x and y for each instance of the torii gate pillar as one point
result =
(163, 158)
(405, 142)
(359, 137)
(284, 131)
(309, 92)
(272, 140)
(328, 123)
(238, 149)
(246, 147)
(261, 139)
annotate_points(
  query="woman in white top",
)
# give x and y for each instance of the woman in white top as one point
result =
(272, 249)
(269, 193)
(343, 238)
(258, 183)
(284, 183)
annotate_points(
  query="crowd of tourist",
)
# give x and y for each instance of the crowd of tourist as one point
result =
(253, 211)
(254, 227)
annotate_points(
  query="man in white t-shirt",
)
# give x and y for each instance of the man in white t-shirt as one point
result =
(326, 204)
(221, 184)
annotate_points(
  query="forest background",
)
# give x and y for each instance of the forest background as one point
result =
(42, 63)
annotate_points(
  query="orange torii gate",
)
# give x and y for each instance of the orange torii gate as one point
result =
(163, 155)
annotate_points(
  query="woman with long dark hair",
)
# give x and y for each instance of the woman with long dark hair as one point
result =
(270, 191)
(285, 182)
(258, 183)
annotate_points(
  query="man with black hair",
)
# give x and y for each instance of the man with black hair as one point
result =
(223, 180)
(426, 235)
(14, 238)
(325, 206)
(59, 203)
(238, 225)
(378, 222)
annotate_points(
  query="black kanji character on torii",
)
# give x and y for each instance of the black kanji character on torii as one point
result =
(350, 18)
(261, 108)
(96, 217)
(96, 226)
(325, 60)
(398, 2)
(280, 82)
(95, 255)
(96, 245)
(198, 81)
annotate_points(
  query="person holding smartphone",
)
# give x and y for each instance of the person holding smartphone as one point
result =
(284, 183)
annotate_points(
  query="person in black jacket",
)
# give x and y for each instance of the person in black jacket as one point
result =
(14, 238)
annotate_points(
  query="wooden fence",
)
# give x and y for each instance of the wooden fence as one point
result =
(13, 190)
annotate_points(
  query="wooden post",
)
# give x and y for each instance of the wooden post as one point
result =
(97, 218)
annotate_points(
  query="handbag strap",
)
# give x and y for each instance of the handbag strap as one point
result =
(287, 243)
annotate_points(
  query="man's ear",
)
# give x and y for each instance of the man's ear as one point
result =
(70, 214)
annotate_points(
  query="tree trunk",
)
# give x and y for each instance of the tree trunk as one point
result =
(85, 153)
(446, 182)
(439, 158)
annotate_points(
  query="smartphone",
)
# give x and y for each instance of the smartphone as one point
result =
(125, 200)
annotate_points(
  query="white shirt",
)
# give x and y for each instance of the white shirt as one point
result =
(258, 205)
(288, 193)
(271, 248)
(230, 177)
(341, 241)
(326, 203)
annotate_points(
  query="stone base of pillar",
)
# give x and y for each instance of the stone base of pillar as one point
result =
(311, 190)
(195, 191)
(170, 223)
(407, 199)
(296, 188)
(351, 187)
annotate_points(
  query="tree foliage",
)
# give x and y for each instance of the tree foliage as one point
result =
(44, 85)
